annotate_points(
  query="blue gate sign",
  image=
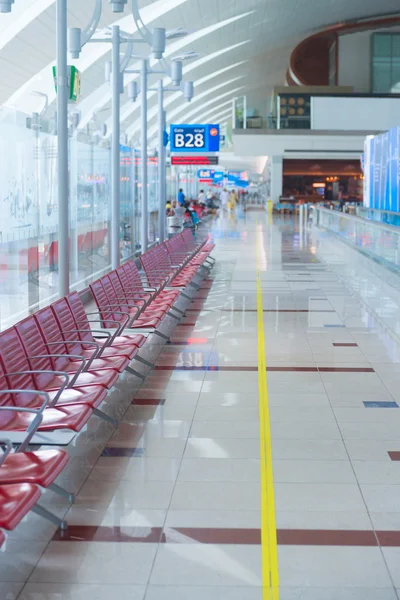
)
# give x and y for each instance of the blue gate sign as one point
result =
(195, 138)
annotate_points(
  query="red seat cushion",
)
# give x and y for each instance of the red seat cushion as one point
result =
(2, 538)
(86, 379)
(72, 417)
(92, 396)
(15, 502)
(41, 467)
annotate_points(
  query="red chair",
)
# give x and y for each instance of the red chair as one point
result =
(41, 467)
(157, 264)
(29, 469)
(130, 279)
(148, 307)
(15, 502)
(126, 345)
(36, 372)
(121, 346)
(26, 410)
(84, 372)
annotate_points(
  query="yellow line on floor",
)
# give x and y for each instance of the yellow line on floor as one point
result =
(269, 547)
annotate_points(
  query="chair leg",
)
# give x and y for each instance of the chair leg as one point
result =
(169, 313)
(161, 335)
(61, 492)
(136, 373)
(144, 361)
(178, 310)
(105, 417)
(187, 296)
(46, 514)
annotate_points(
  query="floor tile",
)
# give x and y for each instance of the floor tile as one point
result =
(216, 496)
(225, 429)
(229, 448)
(147, 494)
(218, 519)
(318, 496)
(332, 567)
(199, 565)
(157, 592)
(71, 591)
(313, 471)
(94, 562)
(206, 469)
(308, 449)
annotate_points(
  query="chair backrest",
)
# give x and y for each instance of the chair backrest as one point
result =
(102, 303)
(67, 325)
(153, 260)
(133, 274)
(118, 289)
(13, 359)
(119, 305)
(34, 345)
(80, 317)
(4, 385)
(51, 333)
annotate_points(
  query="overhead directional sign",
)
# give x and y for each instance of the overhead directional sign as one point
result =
(195, 138)
(194, 160)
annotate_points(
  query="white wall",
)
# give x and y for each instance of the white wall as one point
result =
(354, 114)
(279, 143)
(355, 61)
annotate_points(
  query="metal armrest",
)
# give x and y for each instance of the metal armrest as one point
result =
(73, 356)
(63, 374)
(83, 343)
(100, 320)
(130, 318)
(32, 428)
(7, 449)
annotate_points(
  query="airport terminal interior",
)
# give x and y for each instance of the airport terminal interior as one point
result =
(199, 300)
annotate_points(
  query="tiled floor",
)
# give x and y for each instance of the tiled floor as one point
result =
(168, 505)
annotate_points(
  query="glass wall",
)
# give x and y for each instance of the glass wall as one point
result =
(29, 216)
(385, 63)
(29, 211)
(90, 181)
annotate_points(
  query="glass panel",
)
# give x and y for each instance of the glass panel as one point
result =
(126, 207)
(89, 212)
(381, 45)
(28, 227)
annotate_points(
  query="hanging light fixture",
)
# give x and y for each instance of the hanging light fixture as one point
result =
(118, 6)
(6, 5)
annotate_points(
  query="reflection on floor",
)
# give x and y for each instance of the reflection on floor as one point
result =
(168, 505)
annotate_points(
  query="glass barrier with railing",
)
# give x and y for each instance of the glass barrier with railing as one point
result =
(377, 240)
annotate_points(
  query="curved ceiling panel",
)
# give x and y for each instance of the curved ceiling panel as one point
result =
(261, 32)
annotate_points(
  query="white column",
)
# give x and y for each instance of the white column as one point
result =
(62, 148)
(276, 178)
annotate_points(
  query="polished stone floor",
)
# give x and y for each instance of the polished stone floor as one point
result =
(168, 505)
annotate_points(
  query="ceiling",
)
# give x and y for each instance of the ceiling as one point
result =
(244, 47)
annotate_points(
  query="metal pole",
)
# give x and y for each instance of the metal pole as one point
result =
(62, 147)
(164, 176)
(161, 162)
(143, 89)
(115, 149)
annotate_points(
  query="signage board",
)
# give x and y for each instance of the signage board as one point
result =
(194, 138)
(205, 174)
(74, 83)
(194, 160)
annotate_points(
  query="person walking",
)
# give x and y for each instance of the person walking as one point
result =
(224, 199)
(181, 197)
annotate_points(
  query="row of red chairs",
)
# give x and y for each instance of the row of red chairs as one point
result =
(56, 370)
